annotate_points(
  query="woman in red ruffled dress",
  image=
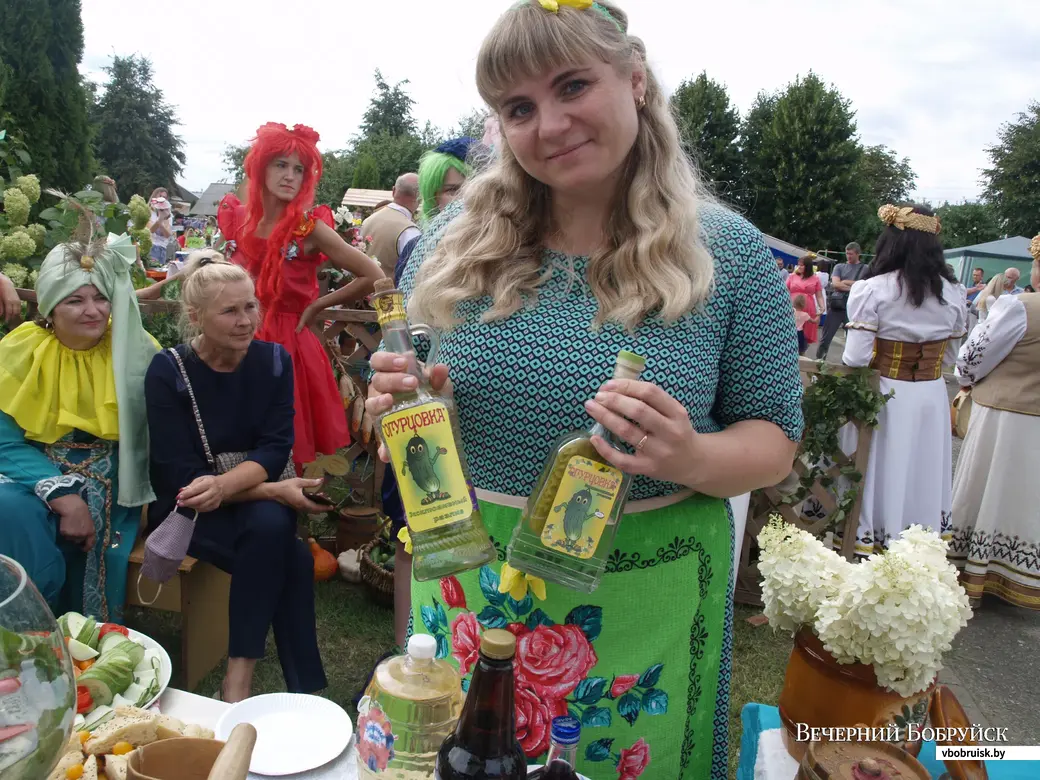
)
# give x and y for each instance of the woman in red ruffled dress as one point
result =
(282, 241)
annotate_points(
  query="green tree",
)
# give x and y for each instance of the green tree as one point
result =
(967, 224)
(234, 158)
(41, 42)
(337, 175)
(472, 124)
(709, 126)
(886, 179)
(1013, 180)
(366, 174)
(757, 189)
(812, 157)
(393, 155)
(135, 142)
(390, 110)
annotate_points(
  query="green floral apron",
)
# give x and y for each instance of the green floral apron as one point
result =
(639, 661)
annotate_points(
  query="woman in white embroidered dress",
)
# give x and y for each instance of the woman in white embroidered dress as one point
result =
(902, 316)
(996, 517)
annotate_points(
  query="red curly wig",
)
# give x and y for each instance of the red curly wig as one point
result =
(276, 140)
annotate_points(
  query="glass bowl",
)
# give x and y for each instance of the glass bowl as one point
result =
(37, 684)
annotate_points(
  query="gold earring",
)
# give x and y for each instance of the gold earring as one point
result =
(641, 103)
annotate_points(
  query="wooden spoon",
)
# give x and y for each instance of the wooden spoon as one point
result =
(233, 761)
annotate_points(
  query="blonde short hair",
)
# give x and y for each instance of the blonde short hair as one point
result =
(205, 275)
(655, 262)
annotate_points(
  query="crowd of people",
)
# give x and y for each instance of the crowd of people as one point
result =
(586, 232)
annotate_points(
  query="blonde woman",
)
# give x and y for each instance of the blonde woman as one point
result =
(246, 517)
(996, 519)
(590, 234)
(989, 295)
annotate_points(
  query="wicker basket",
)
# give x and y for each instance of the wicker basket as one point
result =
(379, 581)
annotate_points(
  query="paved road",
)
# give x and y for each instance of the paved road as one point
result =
(993, 668)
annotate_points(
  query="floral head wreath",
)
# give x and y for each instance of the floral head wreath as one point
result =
(1034, 248)
(553, 6)
(904, 217)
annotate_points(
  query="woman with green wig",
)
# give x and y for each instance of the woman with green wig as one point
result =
(73, 429)
(442, 172)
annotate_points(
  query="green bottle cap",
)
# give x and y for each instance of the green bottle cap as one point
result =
(632, 360)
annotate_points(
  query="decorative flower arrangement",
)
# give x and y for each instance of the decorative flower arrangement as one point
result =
(345, 219)
(897, 611)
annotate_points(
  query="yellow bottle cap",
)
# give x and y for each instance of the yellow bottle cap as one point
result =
(498, 644)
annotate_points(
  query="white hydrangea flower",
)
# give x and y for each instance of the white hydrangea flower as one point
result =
(799, 574)
(898, 612)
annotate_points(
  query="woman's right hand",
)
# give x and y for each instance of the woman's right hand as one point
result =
(391, 377)
(76, 523)
(290, 493)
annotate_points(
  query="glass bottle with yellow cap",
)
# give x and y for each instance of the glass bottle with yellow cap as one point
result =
(484, 745)
(421, 433)
(568, 526)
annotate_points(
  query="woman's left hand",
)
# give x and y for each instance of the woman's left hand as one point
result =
(204, 494)
(306, 319)
(653, 422)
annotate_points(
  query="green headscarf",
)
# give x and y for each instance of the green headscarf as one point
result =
(106, 265)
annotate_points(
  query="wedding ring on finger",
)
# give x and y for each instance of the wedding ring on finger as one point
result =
(642, 442)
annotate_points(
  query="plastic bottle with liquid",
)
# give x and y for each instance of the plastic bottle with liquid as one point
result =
(484, 744)
(408, 710)
(421, 433)
(568, 526)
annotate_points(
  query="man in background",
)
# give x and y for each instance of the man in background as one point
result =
(1011, 277)
(392, 227)
(842, 278)
(978, 284)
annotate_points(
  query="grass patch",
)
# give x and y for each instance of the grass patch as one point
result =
(353, 633)
(759, 662)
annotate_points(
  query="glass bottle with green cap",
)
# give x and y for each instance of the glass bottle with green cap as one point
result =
(568, 526)
(421, 434)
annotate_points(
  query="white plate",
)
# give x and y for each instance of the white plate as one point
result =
(294, 732)
(165, 664)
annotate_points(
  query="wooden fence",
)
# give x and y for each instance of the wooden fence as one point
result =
(770, 501)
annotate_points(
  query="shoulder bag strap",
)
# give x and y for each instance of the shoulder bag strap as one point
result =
(194, 407)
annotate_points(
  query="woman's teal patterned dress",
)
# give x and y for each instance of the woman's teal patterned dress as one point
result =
(644, 661)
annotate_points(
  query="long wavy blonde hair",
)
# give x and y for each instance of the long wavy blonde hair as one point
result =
(654, 263)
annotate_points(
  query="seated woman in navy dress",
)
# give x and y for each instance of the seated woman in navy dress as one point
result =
(247, 518)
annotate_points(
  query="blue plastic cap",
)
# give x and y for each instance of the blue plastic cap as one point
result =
(566, 730)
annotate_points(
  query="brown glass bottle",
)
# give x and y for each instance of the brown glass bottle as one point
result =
(484, 745)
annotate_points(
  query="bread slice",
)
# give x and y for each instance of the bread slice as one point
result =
(90, 768)
(68, 761)
(116, 767)
(130, 728)
(169, 727)
(198, 731)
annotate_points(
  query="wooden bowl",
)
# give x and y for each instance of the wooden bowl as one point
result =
(946, 712)
(859, 761)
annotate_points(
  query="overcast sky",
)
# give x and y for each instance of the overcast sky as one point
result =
(931, 79)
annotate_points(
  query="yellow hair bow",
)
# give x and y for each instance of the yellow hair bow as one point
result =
(554, 5)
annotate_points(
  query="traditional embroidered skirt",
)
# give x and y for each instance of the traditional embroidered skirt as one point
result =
(643, 662)
(996, 518)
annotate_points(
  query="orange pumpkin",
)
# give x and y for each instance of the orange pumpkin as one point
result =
(324, 563)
